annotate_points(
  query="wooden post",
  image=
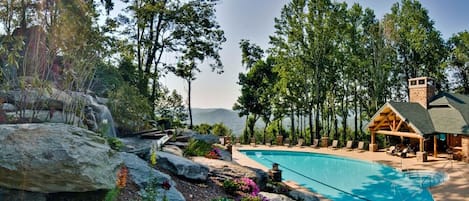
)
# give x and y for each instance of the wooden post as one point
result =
(421, 145)
(373, 146)
(435, 144)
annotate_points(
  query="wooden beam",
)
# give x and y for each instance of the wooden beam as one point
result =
(399, 125)
(403, 134)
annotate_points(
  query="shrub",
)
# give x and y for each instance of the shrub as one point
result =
(230, 186)
(222, 199)
(197, 148)
(115, 143)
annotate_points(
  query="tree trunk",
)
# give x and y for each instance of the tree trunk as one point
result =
(292, 116)
(310, 119)
(189, 83)
(355, 107)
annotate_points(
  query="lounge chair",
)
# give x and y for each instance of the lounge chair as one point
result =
(349, 145)
(237, 143)
(361, 146)
(391, 150)
(403, 153)
(253, 142)
(268, 143)
(287, 142)
(300, 143)
(315, 143)
(334, 145)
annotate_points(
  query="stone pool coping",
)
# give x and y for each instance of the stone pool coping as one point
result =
(456, 188)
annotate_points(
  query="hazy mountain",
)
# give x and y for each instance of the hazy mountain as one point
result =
(216, 115)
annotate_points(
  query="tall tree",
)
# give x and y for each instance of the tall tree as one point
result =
(187, 30)
(200, 39)
(419, 46)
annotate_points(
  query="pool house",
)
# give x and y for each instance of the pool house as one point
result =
(430, 123)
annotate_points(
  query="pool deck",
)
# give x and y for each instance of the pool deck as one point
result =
(456, 188)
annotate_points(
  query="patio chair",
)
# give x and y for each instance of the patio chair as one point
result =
(349, 145)
(334, 145)
(361, 146)
(315, 143)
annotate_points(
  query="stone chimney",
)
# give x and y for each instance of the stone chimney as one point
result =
(421, 90)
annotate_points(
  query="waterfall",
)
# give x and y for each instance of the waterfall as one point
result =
(103, 115)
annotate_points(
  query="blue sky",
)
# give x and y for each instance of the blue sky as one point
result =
(254, 20)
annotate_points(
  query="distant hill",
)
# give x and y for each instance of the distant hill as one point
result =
(216, 115)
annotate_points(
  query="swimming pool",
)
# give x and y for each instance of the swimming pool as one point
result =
(343, 179)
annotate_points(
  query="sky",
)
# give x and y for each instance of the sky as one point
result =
(254, 20)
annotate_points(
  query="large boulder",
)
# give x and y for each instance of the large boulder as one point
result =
(51, 158)
(182, 166)
(141, 173)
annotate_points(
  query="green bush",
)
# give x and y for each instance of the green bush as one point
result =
(112, 194)
(230, 186)
(129, 109)
(115, 143)
(197, 148)
(222, 199)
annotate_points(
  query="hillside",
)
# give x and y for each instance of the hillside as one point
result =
(216, 115)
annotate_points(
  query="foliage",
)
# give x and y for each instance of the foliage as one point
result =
(112, 194)
(215, 153)
(244, 187)
(106, 80)
(151, 190)
(203, 128)
(115, 143)
(459, 60)
(130, 110)
(222, 199)
(197, 148)
(171, 107)
(220, 129)
(230, 186)
(153, 155)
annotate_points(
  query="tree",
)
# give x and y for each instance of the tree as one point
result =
(256, 87)
(187, 30)
(459, 60)
(419, 46)
(201, 39)
(170, 106)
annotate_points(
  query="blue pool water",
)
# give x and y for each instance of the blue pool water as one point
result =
(343, 179)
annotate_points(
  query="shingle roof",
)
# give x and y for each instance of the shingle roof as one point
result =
(416, 115)
(450, 113)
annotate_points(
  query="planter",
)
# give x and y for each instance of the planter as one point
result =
(324, 141)
(279, 139)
